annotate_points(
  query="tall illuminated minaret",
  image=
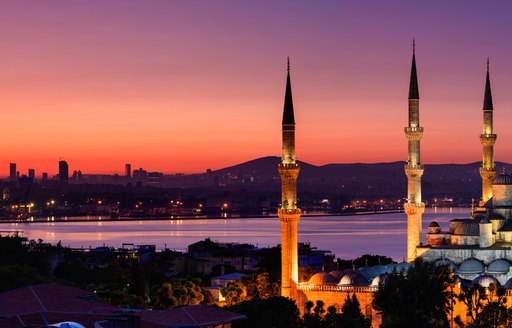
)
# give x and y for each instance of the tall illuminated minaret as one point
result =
(487, 139)
(414, 207)
(288, 212)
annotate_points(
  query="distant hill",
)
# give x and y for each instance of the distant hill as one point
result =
(362, 179)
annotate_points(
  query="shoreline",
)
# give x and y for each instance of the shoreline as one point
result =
(100, 218)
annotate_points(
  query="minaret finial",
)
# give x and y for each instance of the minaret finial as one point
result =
(288, 64)
(414, 46)
(487, 64)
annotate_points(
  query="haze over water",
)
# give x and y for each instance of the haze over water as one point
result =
(345, 236)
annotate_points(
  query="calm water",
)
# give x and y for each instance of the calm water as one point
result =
(346, 236)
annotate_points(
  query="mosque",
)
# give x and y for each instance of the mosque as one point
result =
(478, 249)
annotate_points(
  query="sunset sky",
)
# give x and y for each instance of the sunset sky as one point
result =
(182, 86)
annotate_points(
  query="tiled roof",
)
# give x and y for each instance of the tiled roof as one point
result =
(190, 316)
(40, 305)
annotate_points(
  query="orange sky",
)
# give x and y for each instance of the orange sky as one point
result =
(184, 86)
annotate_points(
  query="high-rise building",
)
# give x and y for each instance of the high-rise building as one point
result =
(128, 170)
(63, 171)
(289, 213)
(12, 171)
(32, 173)
(44, 176)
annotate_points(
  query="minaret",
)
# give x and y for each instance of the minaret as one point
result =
(414, 208)
(487, 139)
(288, 212)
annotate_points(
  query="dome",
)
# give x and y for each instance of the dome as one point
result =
(67, 324)
(471, 266)
(353, 279)
(466, 228)
(508, 284)
(338, 273)
(499, 266)
(369, 272)
(322, 278)
(486, 280)
(445, 262)
(503, 179)
(433, 224)
(381, 277)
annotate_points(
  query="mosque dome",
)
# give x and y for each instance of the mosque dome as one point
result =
(486, 280)
(469, 266)
(369, 272)
(499, 266)
(322, 278)
(381, 277)
(508, 284)
(465, 227)
(353, 278)
(503, 179)
(445, 262)
(433, 224)
(338, 273)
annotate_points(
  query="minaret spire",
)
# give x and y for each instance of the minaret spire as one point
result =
(487, 139)
(289, 213)
(413, 85)
(288, 115)
(414, 207)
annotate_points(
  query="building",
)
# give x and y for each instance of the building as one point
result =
(480, 245)
(128, 171)
(63, 172)
(12, 171)
(32, 173)
(477, 248)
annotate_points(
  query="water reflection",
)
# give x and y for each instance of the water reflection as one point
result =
(346, 236)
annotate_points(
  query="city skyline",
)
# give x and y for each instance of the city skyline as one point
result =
(182, 87)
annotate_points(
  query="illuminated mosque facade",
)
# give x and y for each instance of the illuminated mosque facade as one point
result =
(478, 249)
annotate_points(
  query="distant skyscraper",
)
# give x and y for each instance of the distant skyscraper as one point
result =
(12, 171)
(32, 173)
(128, 170)
(44, 176)
(63, 171)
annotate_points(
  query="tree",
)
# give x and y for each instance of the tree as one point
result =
(486, 307)
(275, 311)
(351, 315)
(234, 293)
(418, 298)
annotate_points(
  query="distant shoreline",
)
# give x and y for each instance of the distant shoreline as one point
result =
(100, 218)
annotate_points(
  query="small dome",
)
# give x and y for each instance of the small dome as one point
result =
(381, 277)
(338, 273)
(471, 266)
(508, 284)
(369, 272)
(445, 262)
(353, 279)
(486, 280)
(433, 224)
(499, 266)
(322, 278)
(503, 179)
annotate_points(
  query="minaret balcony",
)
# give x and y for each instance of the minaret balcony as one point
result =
(413, 133)
(289, 214)
(487, 139)
(289, 166)
(414, 129)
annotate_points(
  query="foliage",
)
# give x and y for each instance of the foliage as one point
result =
(416, 298)
(351, 315)
(485, 307)
(275, 311)
(178, 292)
